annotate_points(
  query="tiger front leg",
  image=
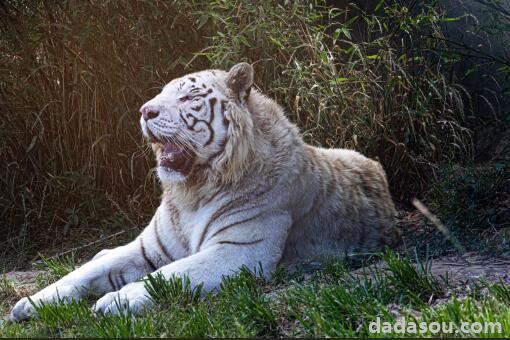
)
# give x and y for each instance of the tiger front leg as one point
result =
(109, 272)
(254, 246)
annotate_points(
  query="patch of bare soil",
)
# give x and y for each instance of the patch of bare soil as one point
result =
(23, 284)
(462, 271)
(472, 267)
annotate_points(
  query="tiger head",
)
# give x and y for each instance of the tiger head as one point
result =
(199, 122)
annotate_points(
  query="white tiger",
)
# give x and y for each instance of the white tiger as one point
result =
(240, 188)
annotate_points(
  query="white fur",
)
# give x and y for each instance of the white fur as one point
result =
(259, 197)
(167, 175)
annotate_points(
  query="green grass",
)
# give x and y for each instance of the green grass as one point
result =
(330, 302)
(54, 269)
(7, 292)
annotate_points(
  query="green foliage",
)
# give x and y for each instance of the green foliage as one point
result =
(54, 269)
(473, 202)
(364, 81)
(353, 301)
(334, 310)
(469, 197)
(7, 292)
(500, 291)
(413, 280)
(247, 306)
(6, 288)
(471, 310)
(176, 290)
(121, 326)
(75, 73)
(483, 46)
(64, 315)
(332, 302)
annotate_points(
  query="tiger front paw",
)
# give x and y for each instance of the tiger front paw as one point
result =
(132, 298)
(23, 310)
(26, 309)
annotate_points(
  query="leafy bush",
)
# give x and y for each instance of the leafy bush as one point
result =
(473, 197)
(75, 73)
(379, 93)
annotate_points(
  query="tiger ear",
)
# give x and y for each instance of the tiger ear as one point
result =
(240, 80)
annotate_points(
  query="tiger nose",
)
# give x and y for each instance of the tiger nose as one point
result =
(149, 112)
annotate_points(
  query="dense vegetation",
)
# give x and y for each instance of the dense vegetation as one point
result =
(382, 77)
(75, 73)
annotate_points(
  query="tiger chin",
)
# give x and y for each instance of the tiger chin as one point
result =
(240, 188)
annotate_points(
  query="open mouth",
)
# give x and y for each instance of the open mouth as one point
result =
(174, 156)
(177, 158)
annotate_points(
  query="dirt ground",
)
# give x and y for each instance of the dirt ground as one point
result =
(462, 270)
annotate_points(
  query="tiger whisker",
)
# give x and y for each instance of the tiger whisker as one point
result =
(180, 143)
(187, 136)
(182, 138)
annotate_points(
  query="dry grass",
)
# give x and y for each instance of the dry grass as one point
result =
(72, 78)
(74, 74)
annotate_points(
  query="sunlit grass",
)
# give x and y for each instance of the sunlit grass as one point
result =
(330, 302)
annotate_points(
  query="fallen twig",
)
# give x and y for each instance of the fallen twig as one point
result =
(87, 245)
(440, 226)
